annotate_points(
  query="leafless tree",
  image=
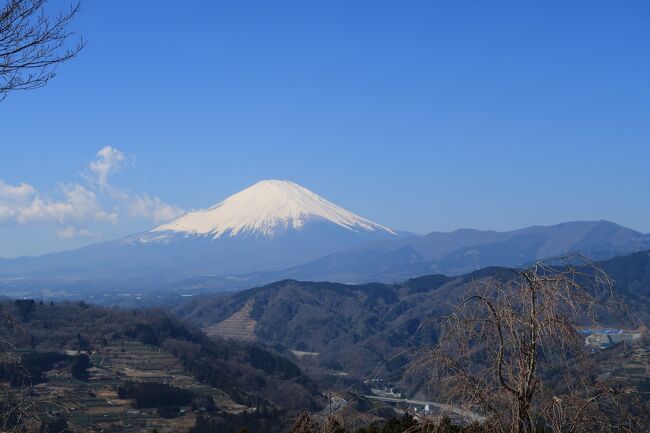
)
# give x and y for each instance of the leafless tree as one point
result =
(304, 423)
(511, 351)
(33, 43)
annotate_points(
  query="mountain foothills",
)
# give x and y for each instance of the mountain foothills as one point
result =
(264, 354)
(370, 330)
(276, 230)
(79, 367)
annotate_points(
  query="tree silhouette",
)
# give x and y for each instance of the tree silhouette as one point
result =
(33, 43)
(512, 351)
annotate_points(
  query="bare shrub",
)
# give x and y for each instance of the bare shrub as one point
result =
(511, 351)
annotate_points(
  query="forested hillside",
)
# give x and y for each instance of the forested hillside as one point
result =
(362, 330)
(102, 359)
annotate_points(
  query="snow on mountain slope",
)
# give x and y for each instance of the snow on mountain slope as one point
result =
(267, 209)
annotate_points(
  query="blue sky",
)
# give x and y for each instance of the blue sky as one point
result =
(420, 115)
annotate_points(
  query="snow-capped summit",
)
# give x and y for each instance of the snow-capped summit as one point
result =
(267, 227)
(268, 208)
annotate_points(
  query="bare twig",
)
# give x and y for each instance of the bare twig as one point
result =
(33, 44)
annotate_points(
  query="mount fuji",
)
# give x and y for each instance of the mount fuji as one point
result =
(270, 225)
(276, 229)
(268, 209)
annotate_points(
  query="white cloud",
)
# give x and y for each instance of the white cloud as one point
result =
(70, 232)
(152, 208)
(78, 204)
(67, 232)
(16, 193)
(6, 212)
(109, 160)
(75, 205)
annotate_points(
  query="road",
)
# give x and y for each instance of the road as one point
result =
(465, 414)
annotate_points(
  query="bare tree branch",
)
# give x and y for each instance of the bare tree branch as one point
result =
(33, 44)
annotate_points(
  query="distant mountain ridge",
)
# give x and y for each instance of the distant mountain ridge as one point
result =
(277, 229)
(466, 250)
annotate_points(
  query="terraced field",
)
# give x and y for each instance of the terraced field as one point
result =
(95, 406)
(239, 326)
(632, 367)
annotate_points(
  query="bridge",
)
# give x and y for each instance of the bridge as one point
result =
(462, 413)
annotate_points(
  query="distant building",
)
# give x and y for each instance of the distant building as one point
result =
(605, 340)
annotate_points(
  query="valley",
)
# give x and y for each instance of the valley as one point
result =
(356, 329)
(324, 217)
(268, 352)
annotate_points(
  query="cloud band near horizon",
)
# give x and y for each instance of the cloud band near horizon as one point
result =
(73, 206)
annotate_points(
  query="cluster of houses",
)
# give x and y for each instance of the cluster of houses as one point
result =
(383, 388)
(604, 338)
